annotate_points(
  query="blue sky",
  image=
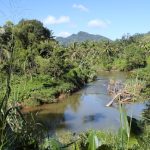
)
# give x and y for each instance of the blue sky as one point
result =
(110, 18)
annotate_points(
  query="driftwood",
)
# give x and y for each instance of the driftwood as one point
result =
(126, 99)
(119, 92)
(111, 102)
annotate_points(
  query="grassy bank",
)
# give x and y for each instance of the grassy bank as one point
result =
(37, 90)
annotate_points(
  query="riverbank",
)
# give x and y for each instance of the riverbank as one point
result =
(42, 89)
(56, 91)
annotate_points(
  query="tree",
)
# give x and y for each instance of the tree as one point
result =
(134, 56)
(31, 31)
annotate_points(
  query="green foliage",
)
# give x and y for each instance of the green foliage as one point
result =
(38, 90)
(30, 31)
(120, 64)
(51, 144)
(36, 56)
(35, 69)
(148, 61)
(124, 122)
(46, 48)
(135, 57)
(56, 64)
(93, 141)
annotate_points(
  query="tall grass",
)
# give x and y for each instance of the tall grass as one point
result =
(13, 127)
(124, 131)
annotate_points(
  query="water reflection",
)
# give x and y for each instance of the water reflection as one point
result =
(74, 104)
(146, 113)
(93, 117)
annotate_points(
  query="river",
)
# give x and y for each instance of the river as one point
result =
(87, 109)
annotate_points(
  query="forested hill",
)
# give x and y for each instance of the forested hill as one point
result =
(80, 37)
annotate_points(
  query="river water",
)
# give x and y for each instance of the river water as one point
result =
(87, 109)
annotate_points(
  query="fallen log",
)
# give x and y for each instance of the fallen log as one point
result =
(110, 103)
(128, 102)
(120, 92)
(126, 99)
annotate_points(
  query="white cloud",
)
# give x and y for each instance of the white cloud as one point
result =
(73, 25)
(51, 20)
(98, 23)
(64, 34)
(80, 7)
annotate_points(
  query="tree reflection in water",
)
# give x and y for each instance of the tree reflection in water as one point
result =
(146, 113)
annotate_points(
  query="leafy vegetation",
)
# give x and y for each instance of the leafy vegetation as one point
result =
(36, 69)
(41, 68)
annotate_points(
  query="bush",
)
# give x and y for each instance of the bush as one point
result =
(120, 64)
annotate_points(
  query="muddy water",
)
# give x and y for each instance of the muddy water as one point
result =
(86, 109)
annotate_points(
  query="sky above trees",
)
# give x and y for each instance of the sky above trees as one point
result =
(110, 18)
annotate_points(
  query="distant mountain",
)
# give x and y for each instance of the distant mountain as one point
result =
(80, 37)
